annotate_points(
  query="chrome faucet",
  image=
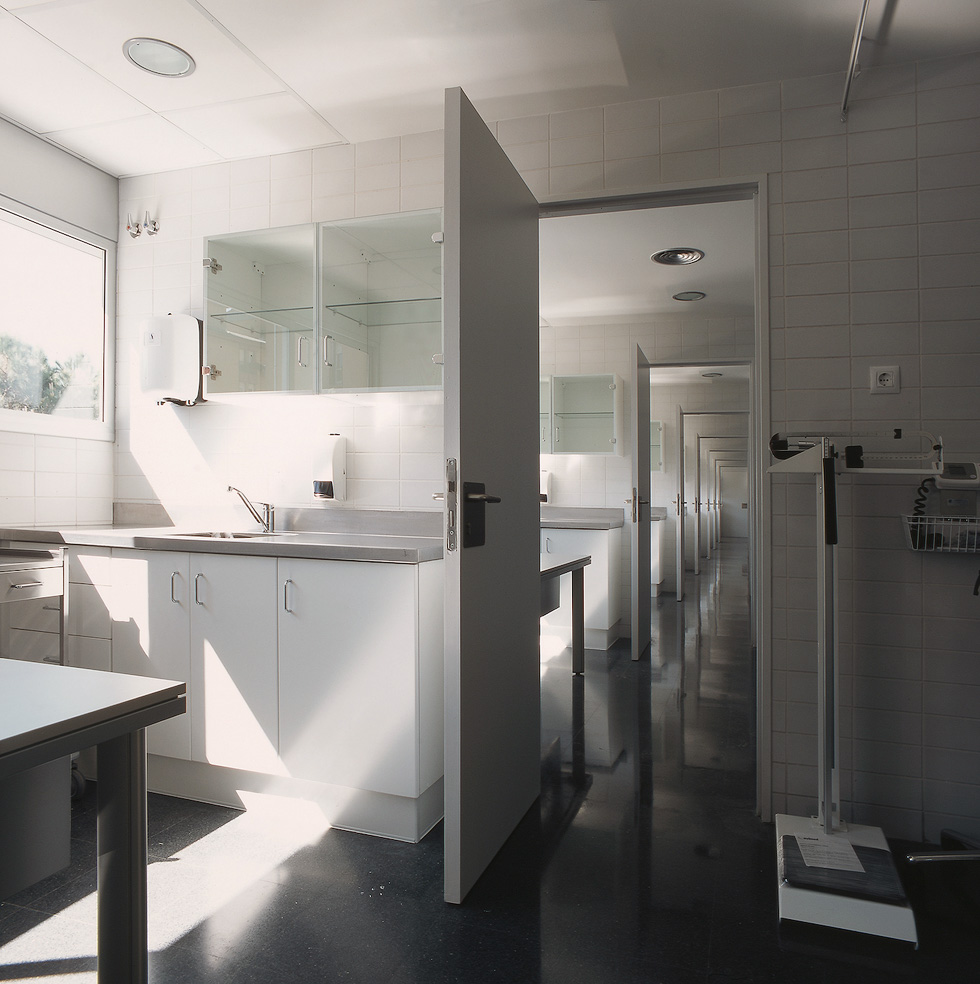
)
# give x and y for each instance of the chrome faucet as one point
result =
(266, 519)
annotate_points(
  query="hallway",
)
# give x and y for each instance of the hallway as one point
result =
(646, 862)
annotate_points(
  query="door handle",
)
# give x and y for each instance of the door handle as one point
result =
(173, 595)
(299, 351)
(197, 594)
(481, 497)
(285, 596)
(475, 499)
(37, 584)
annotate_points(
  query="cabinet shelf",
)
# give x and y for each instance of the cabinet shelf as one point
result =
(269, 322)
(401, 311)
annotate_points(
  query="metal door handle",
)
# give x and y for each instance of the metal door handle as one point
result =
(285, 596)
(37, 584)
(326, 351)
(481, 497)
(299, 351)
(173, 595)
(439, 496)
(197, 596)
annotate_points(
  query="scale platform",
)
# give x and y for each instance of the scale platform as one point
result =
(863, 898)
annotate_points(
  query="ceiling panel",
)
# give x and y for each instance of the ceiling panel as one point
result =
(597, 268)
(46, 89)
(142, 145)
(93, 31)
(273, 124)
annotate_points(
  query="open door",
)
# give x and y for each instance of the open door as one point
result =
(490, 261)
(640, 507)
(681, 504)
(697, 506)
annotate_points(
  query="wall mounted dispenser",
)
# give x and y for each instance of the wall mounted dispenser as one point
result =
(330, 469)
(172, 359)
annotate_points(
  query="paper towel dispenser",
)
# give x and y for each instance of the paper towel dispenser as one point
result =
(172, 359)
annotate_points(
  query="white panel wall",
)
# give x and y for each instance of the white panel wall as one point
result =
(55, 480)
(875, 238)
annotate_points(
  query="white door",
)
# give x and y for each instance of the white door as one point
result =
(697, 505)
(492, 753)
(680, 505)
(640, 507)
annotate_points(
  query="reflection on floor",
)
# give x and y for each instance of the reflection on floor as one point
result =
(645, 863)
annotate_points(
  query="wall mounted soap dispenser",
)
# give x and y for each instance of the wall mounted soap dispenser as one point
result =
(330, 470)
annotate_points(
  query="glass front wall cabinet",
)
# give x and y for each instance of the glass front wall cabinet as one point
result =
(350, 305)
(381, 303)
(261, 311)
(587, 414)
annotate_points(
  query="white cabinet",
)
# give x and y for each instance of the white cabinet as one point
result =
(360, 674)
(235, 711)
(32, 626)
(209, 620)
(602, 584)
(151, 632)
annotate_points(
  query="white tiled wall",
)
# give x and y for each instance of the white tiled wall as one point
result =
(874, 258)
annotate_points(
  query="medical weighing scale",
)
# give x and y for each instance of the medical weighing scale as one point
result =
(831, 873)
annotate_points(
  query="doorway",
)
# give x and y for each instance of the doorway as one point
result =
(600, 293)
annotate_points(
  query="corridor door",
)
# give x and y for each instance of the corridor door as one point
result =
(640, 507)
(492, 700)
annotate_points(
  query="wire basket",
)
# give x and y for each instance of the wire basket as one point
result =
(942, 534)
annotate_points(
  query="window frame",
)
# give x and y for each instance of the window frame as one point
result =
(103, 429)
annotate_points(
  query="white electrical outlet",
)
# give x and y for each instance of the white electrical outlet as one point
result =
(886, 379)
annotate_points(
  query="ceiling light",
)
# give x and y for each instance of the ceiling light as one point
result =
(158, 57)
(690, 295)
(678, 256)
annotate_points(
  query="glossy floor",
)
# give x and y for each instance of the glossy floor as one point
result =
(645, 862)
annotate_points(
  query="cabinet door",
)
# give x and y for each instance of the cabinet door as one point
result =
(587, 414)
(235, 714)
(347, 674)
(150, 632)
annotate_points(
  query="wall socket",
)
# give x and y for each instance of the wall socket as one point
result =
(886, 379)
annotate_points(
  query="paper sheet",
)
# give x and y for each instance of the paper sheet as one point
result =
(823, 851)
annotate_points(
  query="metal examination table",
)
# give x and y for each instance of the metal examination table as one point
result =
(47, 712)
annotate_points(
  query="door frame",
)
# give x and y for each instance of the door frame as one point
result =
(756, 188)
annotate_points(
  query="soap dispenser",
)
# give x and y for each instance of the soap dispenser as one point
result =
(330, 469)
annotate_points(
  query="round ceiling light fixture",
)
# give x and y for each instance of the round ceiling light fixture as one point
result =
(690, 295)
(159, 57)
(678, 256)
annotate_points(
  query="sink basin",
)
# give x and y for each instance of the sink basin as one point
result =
(218, 535)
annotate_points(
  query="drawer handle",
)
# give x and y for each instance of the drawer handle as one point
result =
(27, 584)
(50, 659)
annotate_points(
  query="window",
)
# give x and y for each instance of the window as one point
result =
(55, 327)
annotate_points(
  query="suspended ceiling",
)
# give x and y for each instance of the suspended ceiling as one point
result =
(277, 77)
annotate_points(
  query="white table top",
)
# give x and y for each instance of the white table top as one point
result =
(41, 702)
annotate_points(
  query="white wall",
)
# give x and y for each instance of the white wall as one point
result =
(57, 481)
(875, 235)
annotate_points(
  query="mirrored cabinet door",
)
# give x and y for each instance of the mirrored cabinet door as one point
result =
(261, 311)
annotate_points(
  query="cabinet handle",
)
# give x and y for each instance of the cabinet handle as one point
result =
(173, 596)
(285, 596)
(27, 584)
(299, 351)
(197, 596)
(547, 544)
(326, 351)
(50, 659)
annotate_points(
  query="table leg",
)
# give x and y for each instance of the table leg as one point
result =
(578, 620)
(122, 859)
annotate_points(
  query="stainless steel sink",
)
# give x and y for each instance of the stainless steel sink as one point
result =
(221, 535)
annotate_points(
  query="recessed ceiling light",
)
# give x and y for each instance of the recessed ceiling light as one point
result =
(690, 295)
(678, 256)
(159, 57)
